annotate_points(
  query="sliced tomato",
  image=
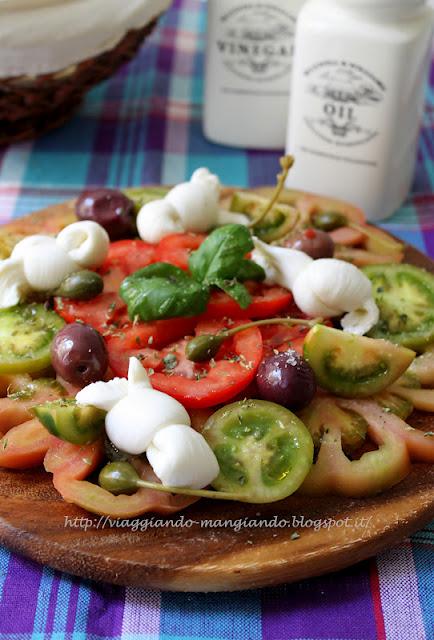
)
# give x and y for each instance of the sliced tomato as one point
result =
(362, 258)
(309, 204)
(198, 385)
(266, 303)
(420, 445)
(70, 464)
(211, 383)
(143, 341)
(25, 445)
(282, 338)
(176, 248)
(375, 470)
(347, 236)
(102, 313)
(130, 255)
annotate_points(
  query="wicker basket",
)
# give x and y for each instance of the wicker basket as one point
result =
(31, 106)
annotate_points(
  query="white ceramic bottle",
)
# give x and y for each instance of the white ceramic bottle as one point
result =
(358, 84)
(248, 69)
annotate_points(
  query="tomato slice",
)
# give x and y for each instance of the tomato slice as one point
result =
(176, 248)
(214, 382)
(25, 445)
(102, 313)
(266, 303)
(130, 255)
(143, 341)
(347, 236)
(375, 471)
(282, 338)
(197, 385)
(420, 445)
(70, 464)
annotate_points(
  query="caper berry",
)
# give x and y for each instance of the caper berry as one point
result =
(81, 285)
(119, 477)
(204, 347)
(329, 220)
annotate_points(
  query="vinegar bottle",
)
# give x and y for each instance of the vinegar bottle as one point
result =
(358, 84)
(248, 70)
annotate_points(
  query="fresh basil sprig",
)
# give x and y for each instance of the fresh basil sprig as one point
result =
(163, 291)
(220, 262)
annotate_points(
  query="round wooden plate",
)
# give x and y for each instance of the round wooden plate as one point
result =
(211, 546)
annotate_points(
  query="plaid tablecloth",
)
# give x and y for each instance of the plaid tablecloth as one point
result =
(144, 126)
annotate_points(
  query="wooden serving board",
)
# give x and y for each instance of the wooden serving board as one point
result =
(205, 555)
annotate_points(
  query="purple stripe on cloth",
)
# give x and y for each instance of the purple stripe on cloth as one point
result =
(20, 596)
(141, 612)
(52, 603)
(106, 609)
(335, 606)
(72, 608)
(263, 167)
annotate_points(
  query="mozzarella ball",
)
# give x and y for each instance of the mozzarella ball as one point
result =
(158, 219)
(86, 242)
(138, 378)
(205, 176)
(133, 422)
(197, 205)
(46, 266)
(103, 395)
(22, 247)
(181, 457)
(13, 283)
(339, 284)
(282, 266)
(307, 300)
(361, 321)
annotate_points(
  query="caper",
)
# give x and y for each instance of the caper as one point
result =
(204, 347)
(119, 477)
(329, 220)
(81, 285)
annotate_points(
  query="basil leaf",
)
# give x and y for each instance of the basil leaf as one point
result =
(221, 254)
(237, 291)
(163, 291)
(249, 270)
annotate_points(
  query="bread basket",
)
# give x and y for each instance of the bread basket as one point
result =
(31, 105)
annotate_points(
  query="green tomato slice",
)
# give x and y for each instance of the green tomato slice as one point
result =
(26, 334)
(405, 297)
(264, 451)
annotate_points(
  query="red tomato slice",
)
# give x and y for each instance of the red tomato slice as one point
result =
(198, 385)
(176, 249)
(143, 341)
(211, 383)
(99, 313)
(124, 257)
(266, 303)
(130, 255)
(347, 236)
(282, 338)
(25, 445)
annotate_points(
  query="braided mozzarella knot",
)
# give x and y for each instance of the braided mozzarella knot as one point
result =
(86, 243)
(331, 288)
